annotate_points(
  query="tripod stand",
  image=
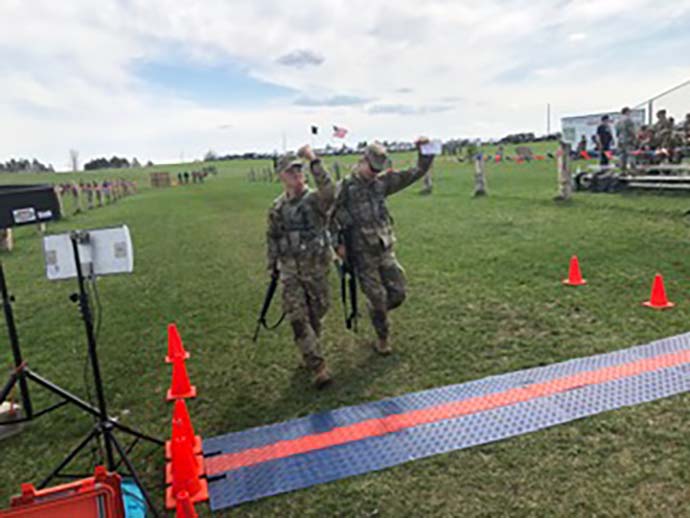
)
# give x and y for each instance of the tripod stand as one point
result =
(105, 426)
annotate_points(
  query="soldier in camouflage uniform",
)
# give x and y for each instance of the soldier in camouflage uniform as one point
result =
(626, 134)
(662, 131)
(361, 213)
(299, 251)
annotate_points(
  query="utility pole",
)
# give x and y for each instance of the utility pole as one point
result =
(548, 118)
(650, 112)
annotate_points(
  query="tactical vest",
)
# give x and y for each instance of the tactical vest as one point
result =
(302, 230)
(366, 211)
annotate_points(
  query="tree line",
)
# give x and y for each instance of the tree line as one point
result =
(114, 163)
(24, 165)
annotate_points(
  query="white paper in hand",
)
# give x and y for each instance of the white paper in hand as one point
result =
(432, 147)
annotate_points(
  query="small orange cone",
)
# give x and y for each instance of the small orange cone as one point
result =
(175, 347)
(182, 427)
(574, 274)
(180, 387)
(658, 298)
(184, 507)
(183, 474)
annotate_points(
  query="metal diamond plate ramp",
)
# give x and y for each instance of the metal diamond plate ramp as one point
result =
(269, 460)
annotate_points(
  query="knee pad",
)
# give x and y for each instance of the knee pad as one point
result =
(396, 298)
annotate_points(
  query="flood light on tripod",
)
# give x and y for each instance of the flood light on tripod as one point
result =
(105, 251)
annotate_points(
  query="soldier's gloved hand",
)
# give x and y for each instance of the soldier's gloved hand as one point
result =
(306, 152)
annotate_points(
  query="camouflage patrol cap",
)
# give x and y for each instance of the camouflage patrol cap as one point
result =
(288, 162)
(376, 155)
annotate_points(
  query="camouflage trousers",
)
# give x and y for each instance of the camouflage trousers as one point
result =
(428, 182)
(306, 296)
(627, 158)
(382, 280)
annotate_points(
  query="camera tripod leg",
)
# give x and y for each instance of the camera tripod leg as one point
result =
(67, 396)
(132, 471)
(8, 387)
(135, 433)
(69, 457)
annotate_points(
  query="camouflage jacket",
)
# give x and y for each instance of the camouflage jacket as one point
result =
(361, 206)
(626, 133)
(662, 127)
(298, 226)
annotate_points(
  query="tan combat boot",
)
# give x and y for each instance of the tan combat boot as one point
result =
(322, 376)
(382, 347)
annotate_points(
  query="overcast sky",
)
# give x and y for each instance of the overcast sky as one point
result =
(157, 79)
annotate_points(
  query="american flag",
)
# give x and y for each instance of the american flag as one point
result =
(339, 132)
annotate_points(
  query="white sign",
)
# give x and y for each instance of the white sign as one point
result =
(26, 215)
(574, 128)
(433, 147)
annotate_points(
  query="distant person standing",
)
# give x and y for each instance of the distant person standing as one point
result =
(686, 129)
(626, 134)
(604, 140)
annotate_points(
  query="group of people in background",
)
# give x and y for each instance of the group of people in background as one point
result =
(663, 140)
(195, 176)
(88, 195)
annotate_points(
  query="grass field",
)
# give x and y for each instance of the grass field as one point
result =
(484, 298)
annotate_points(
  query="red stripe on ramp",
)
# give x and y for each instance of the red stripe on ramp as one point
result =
(394, 423)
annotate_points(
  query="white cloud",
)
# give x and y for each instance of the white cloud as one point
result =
(69, 78)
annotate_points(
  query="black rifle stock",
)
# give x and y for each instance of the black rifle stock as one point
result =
(270, 292)
(348, 279)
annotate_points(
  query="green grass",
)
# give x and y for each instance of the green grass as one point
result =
(484, 298)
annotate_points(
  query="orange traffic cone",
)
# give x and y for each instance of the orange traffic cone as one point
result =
(658, 299)
(183, 474)
(574, 274)
(175, 347)
(182, 427)
(184, 507)
(183, 448)
(180, 387)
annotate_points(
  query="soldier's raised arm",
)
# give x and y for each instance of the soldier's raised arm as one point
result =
(325, 188)
(396, 181)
